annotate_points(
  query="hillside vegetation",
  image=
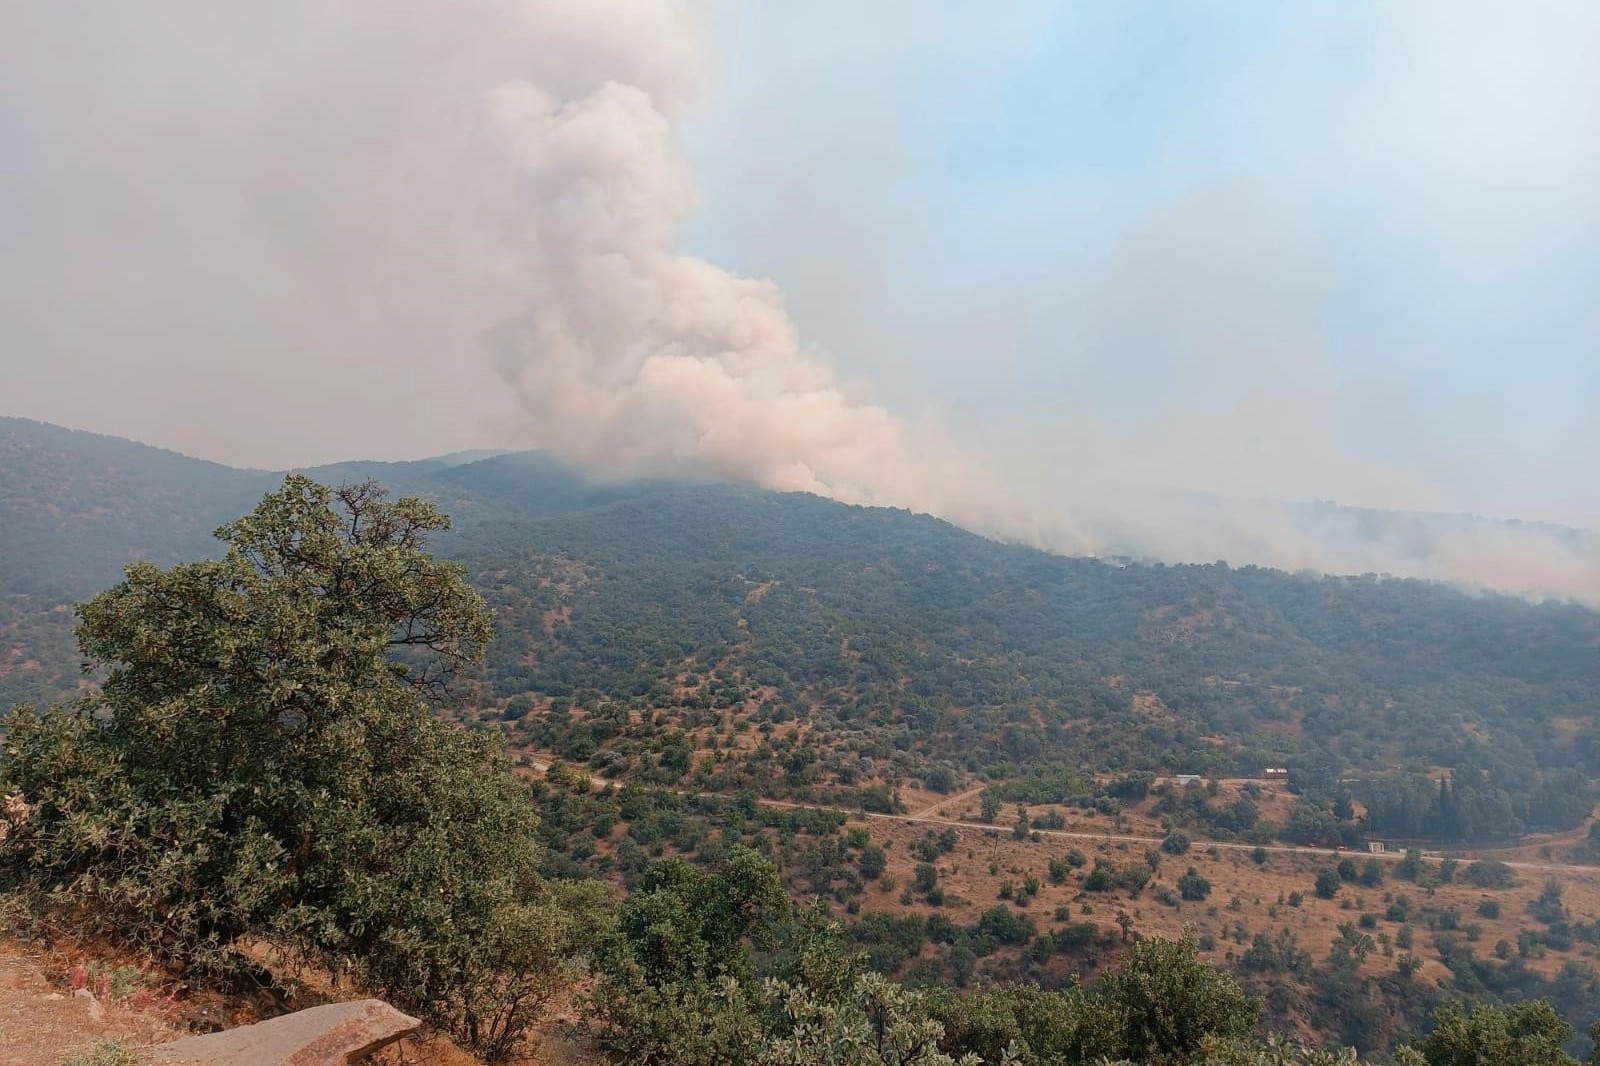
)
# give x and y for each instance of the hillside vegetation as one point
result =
(643, 625)
(265, 764)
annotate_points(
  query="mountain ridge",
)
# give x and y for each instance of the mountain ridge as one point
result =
(973, 655)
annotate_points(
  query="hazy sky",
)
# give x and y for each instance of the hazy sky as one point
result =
(1315, 250)
(1307, 250)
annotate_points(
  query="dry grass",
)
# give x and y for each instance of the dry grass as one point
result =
(44, 1022)
(1243, 893)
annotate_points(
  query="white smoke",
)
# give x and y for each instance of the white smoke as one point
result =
(635, 359)
(318, 211)
(279, 232)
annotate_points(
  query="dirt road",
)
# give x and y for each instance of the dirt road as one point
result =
(542, 763)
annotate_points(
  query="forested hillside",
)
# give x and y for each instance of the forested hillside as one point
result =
(689, 652)
(904, 648)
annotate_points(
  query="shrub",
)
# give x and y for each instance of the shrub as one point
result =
(1193, 887)
(1006, 926)
(1548, 908)
(1491, 873)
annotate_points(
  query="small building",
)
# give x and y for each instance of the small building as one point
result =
(1188, 779)
(1376, 847)
(1275, 773)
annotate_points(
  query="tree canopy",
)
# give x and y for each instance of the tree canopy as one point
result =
(263, 760)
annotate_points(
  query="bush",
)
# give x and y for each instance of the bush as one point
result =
(1005, 926)
(1193, 887)
(1490, 873)
(1176, 842)
(1328, 882)
(1548, 908)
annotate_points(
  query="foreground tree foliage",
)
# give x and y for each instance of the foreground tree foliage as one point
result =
(263, 761)
(1528, 1034)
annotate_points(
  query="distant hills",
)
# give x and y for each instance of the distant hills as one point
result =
(893, 637)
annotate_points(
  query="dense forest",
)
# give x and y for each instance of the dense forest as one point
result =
(265, 760)
(640, 623)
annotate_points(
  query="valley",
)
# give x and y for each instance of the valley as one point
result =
(969, 751)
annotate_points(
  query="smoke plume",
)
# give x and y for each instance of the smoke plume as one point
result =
(278, 232)
(635, 359)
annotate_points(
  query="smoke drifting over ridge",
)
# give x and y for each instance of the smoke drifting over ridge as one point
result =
(359, 192)
(314, 216)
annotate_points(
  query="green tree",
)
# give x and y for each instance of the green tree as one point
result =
(1328, 882)
(1523, 1034)
(1163, 1004)
(263, 761)
(682, 922)
(676, 980)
